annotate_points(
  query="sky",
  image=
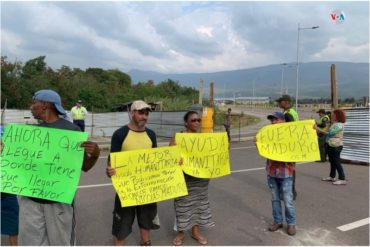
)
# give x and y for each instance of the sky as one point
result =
(183, 37)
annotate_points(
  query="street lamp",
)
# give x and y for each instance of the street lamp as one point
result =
(297, 68)
(282, 78)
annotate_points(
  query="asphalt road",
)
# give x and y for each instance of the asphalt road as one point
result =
(241, 206)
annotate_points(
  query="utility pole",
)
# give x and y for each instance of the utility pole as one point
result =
(211, 94)
(333, 80)
(201, 92)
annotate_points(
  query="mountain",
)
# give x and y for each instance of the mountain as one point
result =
(314, 80)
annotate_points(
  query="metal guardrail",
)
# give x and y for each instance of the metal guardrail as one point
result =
(356, 135)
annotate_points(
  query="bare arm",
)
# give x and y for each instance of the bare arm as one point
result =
(92, 152)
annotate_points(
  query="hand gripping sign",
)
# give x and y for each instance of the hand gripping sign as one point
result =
(289, 142)
(41, 162)
(148, 175)
(205, 155)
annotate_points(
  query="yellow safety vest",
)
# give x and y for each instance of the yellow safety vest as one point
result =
(78, 113)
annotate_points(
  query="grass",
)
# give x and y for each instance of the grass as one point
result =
(240, 120)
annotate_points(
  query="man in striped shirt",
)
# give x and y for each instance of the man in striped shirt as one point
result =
(280, 180)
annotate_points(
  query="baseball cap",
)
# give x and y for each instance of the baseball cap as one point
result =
(79, 101)
(321, 111)
(284, 97)
(138, 105)
(277, 115)
(51, 96)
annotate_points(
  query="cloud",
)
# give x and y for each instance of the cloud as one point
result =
(339, 49)
(182, 37)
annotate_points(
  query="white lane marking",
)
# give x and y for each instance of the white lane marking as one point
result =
(247, 170)
(105, 157)
(354, 225)
(93, 185)
(262, 168)
(243, 148)
(236, 171)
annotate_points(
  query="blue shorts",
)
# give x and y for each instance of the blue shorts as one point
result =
(9, 214)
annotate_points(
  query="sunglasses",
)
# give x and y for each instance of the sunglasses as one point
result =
(143, 112)
(195, 120)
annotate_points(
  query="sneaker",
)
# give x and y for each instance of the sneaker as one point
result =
(275, 226)
(330, 179)
(340, 182)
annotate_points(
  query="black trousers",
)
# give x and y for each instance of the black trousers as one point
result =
(80, 123)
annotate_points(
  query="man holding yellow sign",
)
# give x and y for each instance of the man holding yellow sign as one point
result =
(280, 181)
(133, 136)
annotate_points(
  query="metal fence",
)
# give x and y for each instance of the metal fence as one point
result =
(166, 124)
(356, 135)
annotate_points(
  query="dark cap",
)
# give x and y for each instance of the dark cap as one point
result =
(284, 97)
(277, 115)
(321, 111)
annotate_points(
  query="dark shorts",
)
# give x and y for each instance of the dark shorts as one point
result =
(123, 218)
(9, 214)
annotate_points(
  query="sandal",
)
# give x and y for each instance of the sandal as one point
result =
(146, 243)
(178, 240)
(200, 239)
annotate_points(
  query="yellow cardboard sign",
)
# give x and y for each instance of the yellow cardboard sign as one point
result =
(205, 155)
(148, 175)
(289, 142)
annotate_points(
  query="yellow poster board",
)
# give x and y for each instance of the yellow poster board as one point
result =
(289, 142)
(148, 175)
(205, 155)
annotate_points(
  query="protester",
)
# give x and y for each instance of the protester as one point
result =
(192, 211)
(323, 124)
(335, 145)
(44, 222)
(78, 115)
(133, 136)
(9, 211)
(227, 123)
(290, 115)
(10, 217)
(280, 179)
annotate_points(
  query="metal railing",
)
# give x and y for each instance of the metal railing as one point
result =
(356, 135)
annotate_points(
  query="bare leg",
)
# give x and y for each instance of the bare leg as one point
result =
(144, 235)
(13, 239)
(118, 242)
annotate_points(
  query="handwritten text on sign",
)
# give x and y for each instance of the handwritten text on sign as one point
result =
(290, 142)
(41, 162)
(148, 175)
(205, 155)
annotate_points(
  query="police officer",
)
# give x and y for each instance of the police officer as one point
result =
(79, 114)
(323, 124)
